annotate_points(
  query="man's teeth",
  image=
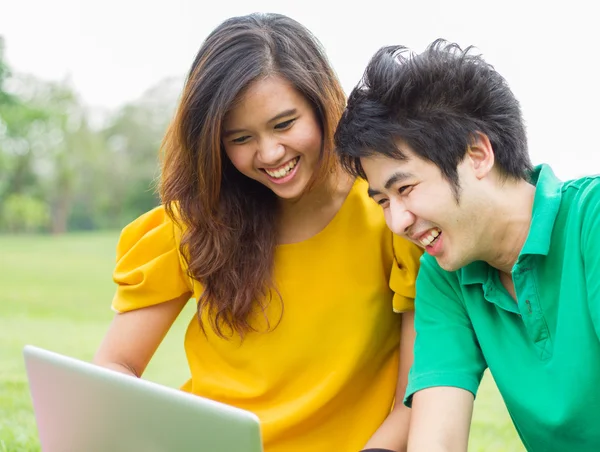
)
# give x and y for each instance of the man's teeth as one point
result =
(284, 170)
(433, 234)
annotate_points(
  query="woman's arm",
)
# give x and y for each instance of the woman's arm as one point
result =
(134, 336)
(393, 433)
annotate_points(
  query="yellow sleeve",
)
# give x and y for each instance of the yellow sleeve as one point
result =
(149, 269)
(404, 273)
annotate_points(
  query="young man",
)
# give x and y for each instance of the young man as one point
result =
(511, 275)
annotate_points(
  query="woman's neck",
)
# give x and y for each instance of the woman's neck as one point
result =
(303, 218)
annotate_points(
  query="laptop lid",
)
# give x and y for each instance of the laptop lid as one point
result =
(80, 406)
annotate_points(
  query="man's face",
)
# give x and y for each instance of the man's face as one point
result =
(421, 205)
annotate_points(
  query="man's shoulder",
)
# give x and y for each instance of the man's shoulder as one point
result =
(583, 186)
(582, 195)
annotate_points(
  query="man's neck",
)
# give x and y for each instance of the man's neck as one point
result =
(509, 228)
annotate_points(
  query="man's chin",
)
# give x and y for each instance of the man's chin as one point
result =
(449, 265)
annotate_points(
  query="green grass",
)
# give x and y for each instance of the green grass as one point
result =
(55, 293)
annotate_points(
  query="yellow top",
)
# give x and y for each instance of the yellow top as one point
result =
(324, 379)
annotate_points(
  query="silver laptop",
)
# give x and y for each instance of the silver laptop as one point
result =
(80, 406)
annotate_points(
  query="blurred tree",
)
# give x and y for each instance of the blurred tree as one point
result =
(18, 121)
(133, 136)
(4, 97)
(59, 173)
(47, 138)
(23, 213)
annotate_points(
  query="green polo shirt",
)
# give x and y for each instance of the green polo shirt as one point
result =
(544, 350)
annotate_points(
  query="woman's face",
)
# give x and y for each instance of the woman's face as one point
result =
(273, 136)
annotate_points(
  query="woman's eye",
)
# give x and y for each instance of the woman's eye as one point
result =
(405, 189)
(285, 124)
(240, 140)
(382, 202)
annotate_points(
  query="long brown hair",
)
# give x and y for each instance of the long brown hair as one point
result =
(229, 220)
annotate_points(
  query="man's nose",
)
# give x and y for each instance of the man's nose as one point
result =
(399, 218)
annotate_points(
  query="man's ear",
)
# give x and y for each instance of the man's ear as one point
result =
(481, 155)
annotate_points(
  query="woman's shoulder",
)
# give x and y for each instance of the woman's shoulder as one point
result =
(154, 230)
(149, 268)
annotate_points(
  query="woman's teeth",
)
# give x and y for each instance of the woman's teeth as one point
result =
(284, 170)
(433, 234)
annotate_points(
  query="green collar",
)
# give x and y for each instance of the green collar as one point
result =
(545, 208)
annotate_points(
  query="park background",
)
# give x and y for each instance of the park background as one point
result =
(88, 87)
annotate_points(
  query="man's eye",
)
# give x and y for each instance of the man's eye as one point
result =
(285, 124)
(405, 189)
(382, 202)
(240, 140)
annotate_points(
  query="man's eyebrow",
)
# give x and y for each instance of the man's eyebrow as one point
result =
(372, 192)
(283, 114)
(397, 177)
(394, 178)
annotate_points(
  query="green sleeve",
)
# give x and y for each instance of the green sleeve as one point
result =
(591, 247)
(446, 350)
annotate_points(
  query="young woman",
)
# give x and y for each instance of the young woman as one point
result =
(291, 264)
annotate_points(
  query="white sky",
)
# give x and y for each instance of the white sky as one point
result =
(113, 50)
